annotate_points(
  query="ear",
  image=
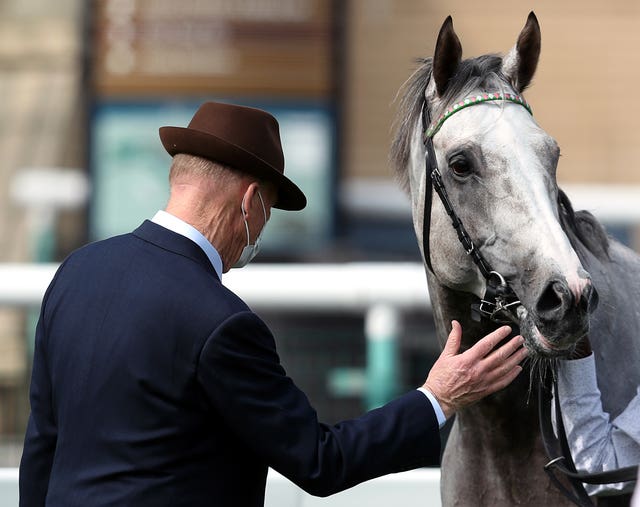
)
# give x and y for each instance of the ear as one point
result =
(248, 196)
(447, 56)
(520, 64)
(254, 202)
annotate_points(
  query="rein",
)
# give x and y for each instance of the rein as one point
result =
(498, 305)
(499, 301)
(557, 448)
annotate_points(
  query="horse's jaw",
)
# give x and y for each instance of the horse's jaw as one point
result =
(450, 304)
(556, 340)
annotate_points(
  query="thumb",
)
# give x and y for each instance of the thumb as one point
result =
(452, 346)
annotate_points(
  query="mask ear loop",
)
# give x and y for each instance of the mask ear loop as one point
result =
(244, 216)
(244, 219)
(264, 209)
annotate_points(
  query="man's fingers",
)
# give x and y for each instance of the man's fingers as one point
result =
(453, 341)
(505, 351)
(484, 346)
(504, 380)
(459, 379)
(501, 368)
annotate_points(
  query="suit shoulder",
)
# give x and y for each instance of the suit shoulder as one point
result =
(98, 247)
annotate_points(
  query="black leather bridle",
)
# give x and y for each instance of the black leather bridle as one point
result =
(499, 302)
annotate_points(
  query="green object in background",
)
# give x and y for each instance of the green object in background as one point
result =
(130, 169)
(129, 166)
(344, 382)
(382, 333)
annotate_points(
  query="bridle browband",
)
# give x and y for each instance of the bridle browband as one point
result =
(433, 128)
(498, 305)
(499, 301)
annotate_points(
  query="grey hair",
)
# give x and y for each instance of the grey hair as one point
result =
(185, 164)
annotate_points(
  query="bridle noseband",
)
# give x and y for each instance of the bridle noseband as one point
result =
(499, 301)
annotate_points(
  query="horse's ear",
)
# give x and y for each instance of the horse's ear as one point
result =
(447, 56)
(520, 64)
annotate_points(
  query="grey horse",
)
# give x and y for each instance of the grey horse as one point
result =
(499, 168)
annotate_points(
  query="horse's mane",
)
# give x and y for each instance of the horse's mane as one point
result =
(583, 230)
(480, 74)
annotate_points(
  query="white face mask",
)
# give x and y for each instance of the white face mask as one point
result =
(250, 251)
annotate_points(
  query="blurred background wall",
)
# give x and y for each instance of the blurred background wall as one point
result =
(85, 85)
(41, 125)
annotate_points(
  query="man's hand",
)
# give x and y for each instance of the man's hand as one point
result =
(457, 380)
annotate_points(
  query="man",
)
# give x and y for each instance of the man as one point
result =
(153, 384)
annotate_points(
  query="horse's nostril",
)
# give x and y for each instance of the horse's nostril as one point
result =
(551, 298)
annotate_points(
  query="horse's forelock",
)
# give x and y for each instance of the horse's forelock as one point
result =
(481, 74)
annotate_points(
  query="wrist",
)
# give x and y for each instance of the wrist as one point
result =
(435, 404)
(447, 409)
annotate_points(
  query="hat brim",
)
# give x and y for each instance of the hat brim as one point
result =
(202, 144)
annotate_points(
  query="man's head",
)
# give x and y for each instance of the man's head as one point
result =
(227, 174)
(243, 138)
(228, 207)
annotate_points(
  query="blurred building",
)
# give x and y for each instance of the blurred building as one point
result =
(85, 85)
(41, 125)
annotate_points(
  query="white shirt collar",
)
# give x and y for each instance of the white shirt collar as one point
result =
(173, 223)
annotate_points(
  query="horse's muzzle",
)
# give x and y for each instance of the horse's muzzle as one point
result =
(561, 316)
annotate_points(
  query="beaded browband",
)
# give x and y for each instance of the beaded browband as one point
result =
(471, 101)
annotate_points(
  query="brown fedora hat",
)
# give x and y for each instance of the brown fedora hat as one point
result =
(243, 138)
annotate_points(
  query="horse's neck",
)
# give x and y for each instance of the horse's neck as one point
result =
(615, 325)
(451, 305)
(498, 437)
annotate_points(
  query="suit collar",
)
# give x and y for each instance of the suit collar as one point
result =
(175, 224)
(174, 242)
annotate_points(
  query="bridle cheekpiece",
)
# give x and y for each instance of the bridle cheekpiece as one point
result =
(499, 302)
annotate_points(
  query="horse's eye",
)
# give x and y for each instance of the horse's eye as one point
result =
(460, 167)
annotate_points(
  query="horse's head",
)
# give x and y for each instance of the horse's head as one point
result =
(499, 169)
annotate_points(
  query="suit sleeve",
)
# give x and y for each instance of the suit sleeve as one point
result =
(242, 376)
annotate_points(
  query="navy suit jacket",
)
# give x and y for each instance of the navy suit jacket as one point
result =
(155, 385)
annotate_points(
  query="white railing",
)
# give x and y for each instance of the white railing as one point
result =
(409, 489)
(8, 486)
(321, 287)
